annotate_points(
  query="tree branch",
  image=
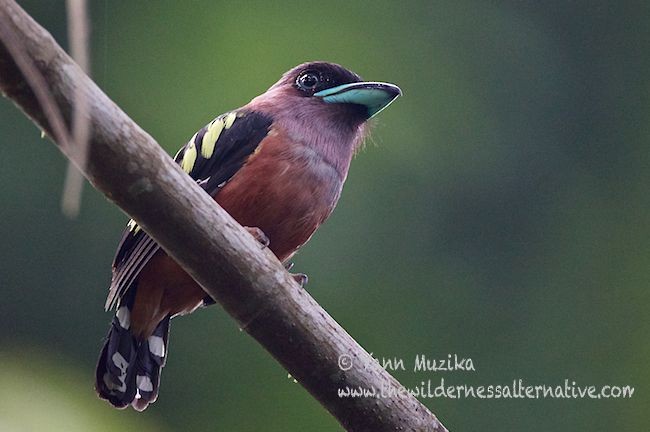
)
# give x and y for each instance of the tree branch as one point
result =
(131, 169)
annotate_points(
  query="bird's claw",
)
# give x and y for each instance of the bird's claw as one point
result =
(259, 235)
(301, 278)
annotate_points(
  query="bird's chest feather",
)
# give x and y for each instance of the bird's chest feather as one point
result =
(286, 189)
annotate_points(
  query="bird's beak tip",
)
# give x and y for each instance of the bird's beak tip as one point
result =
(376, 96)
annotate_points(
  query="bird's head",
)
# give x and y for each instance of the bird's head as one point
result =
(319, 90)
(322, 84)
(325, 106)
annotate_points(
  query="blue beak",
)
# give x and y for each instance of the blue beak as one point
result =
(375, 96)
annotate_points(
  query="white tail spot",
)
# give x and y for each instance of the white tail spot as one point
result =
(144, 383)
(157, 346)
(110, 384)
(120, 362)
(124, 317)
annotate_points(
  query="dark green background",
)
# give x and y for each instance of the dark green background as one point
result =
(500, 210)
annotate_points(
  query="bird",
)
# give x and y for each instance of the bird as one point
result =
(277, 165)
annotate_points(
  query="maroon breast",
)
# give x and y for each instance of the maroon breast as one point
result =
(285, 189)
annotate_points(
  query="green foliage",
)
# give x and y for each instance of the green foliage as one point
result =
(42, 391)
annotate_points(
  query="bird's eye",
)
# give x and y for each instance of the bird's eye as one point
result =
(308, 80)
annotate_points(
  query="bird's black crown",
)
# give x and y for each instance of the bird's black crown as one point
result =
(313, 77)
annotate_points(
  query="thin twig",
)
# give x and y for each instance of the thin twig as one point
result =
(37, 84)
(78, 34)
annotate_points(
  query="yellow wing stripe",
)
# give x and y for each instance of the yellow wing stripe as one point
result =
(229, 119)
(208, 142)
(189, 157)
(211, 136)
(133, 226)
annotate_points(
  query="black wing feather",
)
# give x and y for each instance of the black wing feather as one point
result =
(232, 148)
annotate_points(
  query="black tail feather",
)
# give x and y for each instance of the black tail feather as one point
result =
(115, 375)
(128, 371)
(151, 358)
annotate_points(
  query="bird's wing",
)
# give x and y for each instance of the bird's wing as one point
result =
(213, 155)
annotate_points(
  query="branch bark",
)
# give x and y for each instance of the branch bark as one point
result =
(131, 169)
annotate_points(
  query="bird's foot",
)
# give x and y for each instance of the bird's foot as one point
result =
(301, 278)
(259, 235)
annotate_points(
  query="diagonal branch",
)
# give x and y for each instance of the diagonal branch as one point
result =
(129, 167)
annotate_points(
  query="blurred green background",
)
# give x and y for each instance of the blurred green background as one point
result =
(500, 211)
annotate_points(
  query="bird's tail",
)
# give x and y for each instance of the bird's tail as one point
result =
(128, 370)
(152, 354)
